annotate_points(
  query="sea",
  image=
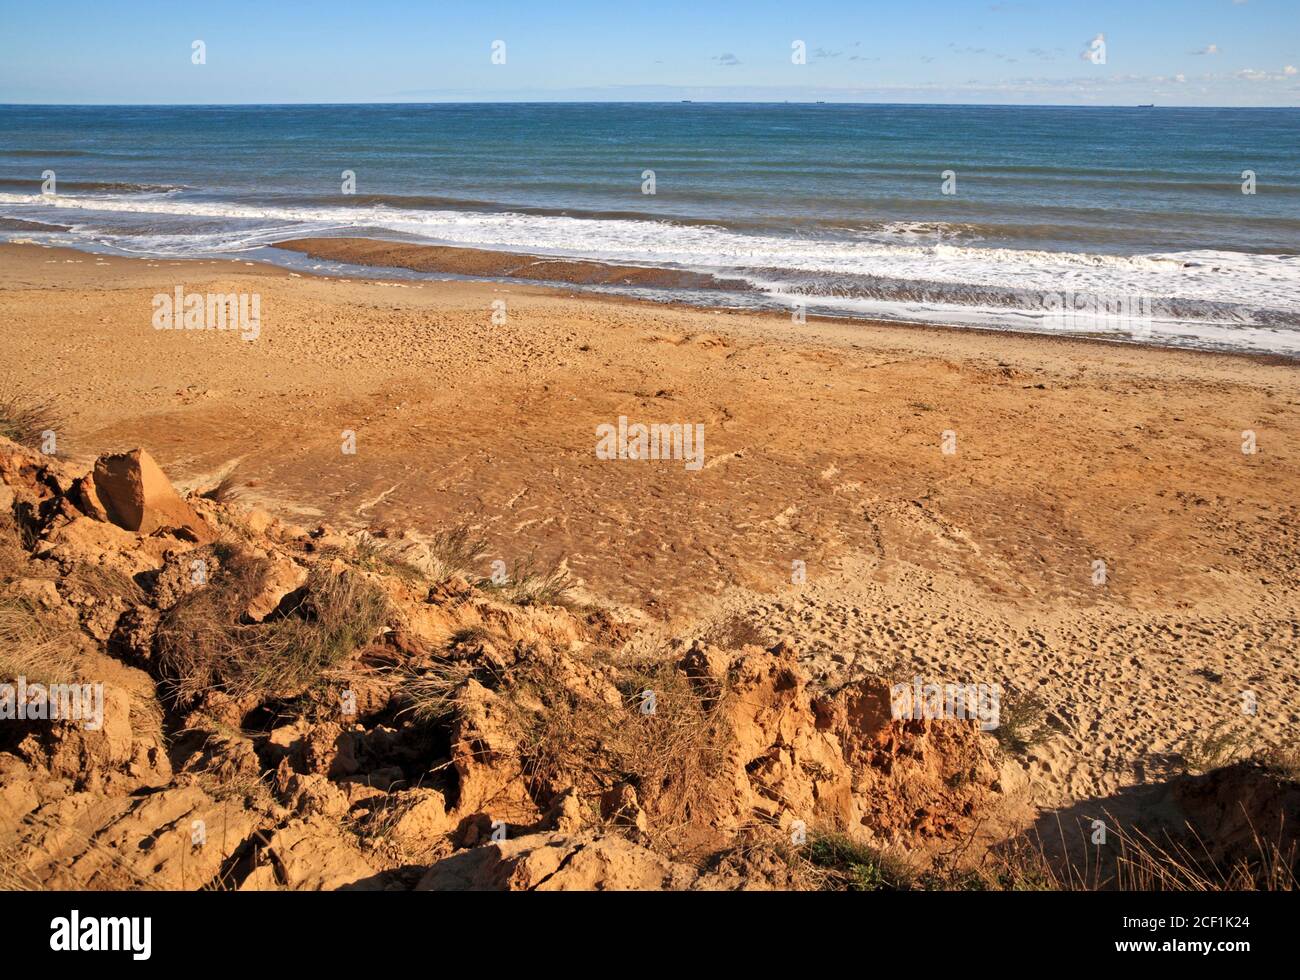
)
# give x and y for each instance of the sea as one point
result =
(1169, 226)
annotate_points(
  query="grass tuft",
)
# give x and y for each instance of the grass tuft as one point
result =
(734, 633)
(672, 757)
(228, 488)
(1022, 722)
(26, 420)
(1218, 746)
(531, 585)
(203, 645)
(840, 863)
(368, 553)
(102, 583)
(33, 647)
(451, 552)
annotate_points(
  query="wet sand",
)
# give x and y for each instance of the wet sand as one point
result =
(486, 263)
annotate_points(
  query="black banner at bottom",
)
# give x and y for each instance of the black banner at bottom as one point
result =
(150, 929)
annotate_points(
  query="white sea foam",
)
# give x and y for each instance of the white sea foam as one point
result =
(779, 266)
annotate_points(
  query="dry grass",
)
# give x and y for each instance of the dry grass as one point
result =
(25, 420)
(202, 645)
(1134, 860)
(1022, 721)
(102, 583)
(470, 635)
(824, 861)
(251, 790)
(734, 633)
(15, 876)
(1019, 865)
(34, 647)
(1218, 746)
(533, 585)
(369, 554)
(1281, 762)
(228, 488)
(431, 695)
(46, 650)
(671, 756)
(13, 553)
(761, 850)
(451, 552)
(110, 872)
(375, 830)
(1146, 865)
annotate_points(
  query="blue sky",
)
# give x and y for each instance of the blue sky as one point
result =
(1171, 52)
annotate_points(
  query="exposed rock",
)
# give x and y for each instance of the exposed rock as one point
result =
(329, 750)
(258, 521)
(173, 839)
(183, 572)
(87, 499)
(783, 763)
(43, 592)
(422, 821)
(282, 577)
(705, 662)
(566, 814)
(226, 756)
(23, 788)
(34, 483)
(620, 806)
(309, 794)
(135, 494)
(90, 542)
(451, 722)
(912, 780)
(117, 744)
(312, 855)
(484, 752)
(556, 862)
(132, 636)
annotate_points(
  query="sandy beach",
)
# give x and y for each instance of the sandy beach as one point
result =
(824, 443)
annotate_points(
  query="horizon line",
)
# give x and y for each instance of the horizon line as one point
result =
(752, 102)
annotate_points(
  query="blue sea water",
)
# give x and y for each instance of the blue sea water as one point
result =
(832, 208)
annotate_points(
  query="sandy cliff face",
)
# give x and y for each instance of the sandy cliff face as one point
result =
(285, 708)
(282, 708)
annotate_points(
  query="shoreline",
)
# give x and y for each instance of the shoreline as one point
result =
(362, 259)
(492, 264)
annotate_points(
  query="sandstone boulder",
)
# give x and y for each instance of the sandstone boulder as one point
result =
(135, 494)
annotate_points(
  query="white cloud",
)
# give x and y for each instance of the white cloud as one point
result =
(1208, 49)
